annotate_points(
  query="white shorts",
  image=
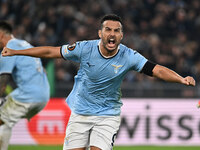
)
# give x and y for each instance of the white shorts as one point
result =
(85, 131)
(12, 111)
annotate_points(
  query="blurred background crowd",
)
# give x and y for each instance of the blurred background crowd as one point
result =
(164, 31)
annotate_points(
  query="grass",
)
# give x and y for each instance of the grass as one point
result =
(39, 147)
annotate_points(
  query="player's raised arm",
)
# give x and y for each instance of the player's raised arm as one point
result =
(43, 52)
(171, 76)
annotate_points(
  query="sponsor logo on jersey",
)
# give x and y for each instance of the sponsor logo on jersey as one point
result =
(89, 64)
(116, 68)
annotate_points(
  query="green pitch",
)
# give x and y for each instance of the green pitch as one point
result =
(33, 147)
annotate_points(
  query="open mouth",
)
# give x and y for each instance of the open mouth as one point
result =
(111, 42)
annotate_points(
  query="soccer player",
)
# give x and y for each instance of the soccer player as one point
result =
(32, 92)
(95, 97)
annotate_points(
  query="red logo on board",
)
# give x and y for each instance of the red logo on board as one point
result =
(48, 127)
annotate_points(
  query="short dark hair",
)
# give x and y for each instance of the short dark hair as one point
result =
(112, 17)
(6, 27)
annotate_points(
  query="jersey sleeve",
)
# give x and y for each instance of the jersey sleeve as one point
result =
(137, 61)
(73, 52)
(7, 64)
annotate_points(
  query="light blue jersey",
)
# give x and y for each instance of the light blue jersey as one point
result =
(28, 74)
(96, 89)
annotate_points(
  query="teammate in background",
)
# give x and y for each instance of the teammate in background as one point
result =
(95, 98)
(32, 92)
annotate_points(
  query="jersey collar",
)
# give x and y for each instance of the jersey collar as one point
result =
(107, 57)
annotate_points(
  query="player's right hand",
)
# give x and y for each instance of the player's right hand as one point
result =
(7, 52)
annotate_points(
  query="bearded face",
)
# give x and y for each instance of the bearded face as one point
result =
(111, 35)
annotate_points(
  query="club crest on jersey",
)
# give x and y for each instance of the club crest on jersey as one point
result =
(116, 68)
(71, 47)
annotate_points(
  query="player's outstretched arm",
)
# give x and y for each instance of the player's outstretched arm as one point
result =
(43, 52)
(171, 76)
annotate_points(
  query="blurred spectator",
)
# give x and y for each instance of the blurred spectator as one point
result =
(65, 72)
(165, 31)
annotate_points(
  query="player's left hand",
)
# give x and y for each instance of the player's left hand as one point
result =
(189, 81)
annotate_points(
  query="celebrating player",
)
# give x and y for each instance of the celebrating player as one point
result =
(95, 97)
